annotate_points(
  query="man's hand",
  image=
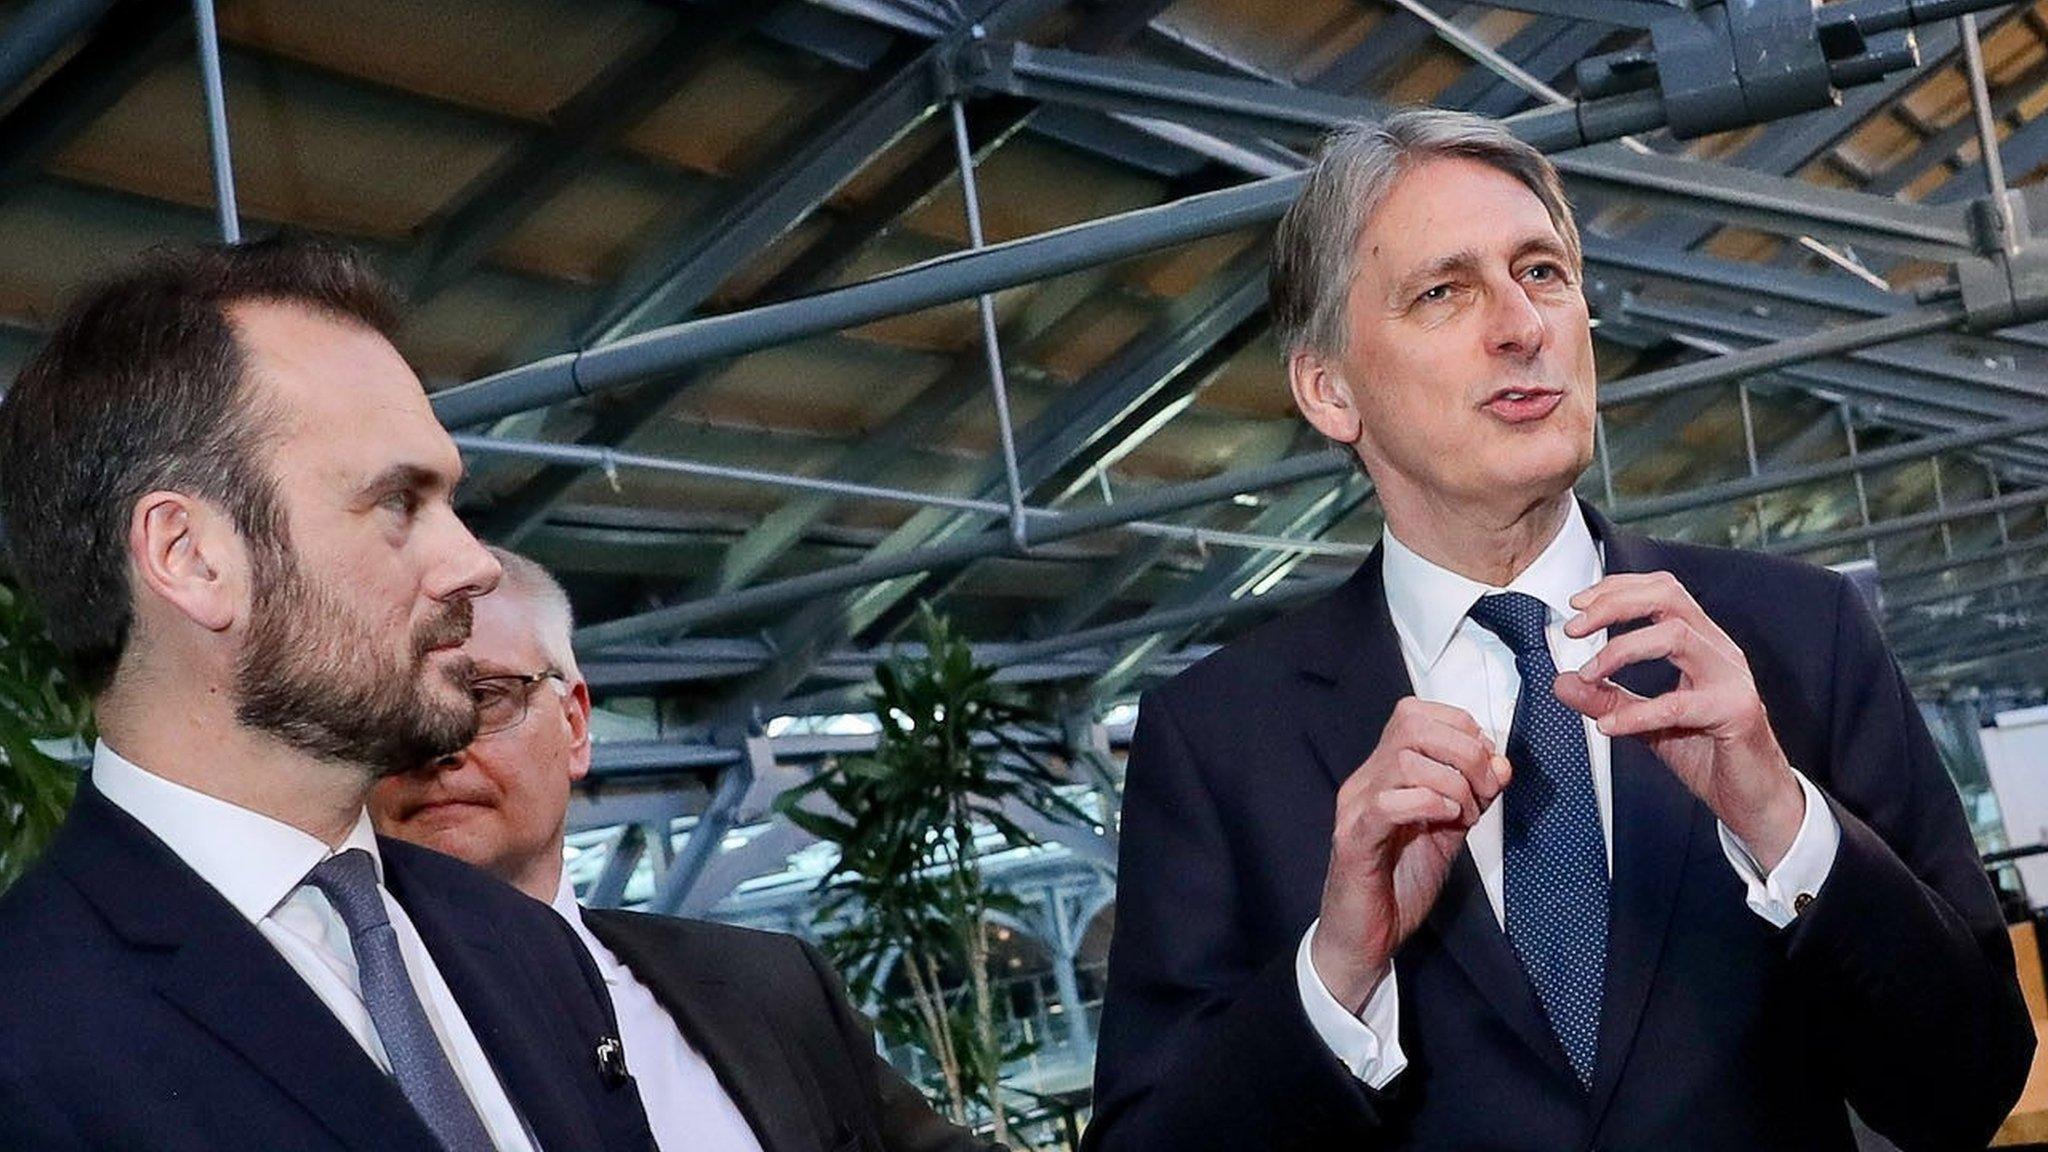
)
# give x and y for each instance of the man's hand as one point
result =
(1401, 819)
(1711, 729)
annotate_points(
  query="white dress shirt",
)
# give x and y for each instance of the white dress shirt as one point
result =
(1452, 660)
(259, 864)
(686, 1105)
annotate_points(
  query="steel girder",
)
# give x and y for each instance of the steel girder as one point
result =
(1077, 426)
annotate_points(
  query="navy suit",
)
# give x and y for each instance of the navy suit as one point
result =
(1892, 991)
(773, 1021)
(139, 1010)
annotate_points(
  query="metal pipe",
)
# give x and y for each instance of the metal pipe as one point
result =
(1900, 525)
(1987, 131)
(217, 122)
(876, 569)
(1941, 595)
(1853, 464)
(991, 344)
(610, 460)
(1152, 623)
(1945, 565)
(1827, 342)
(944, 280)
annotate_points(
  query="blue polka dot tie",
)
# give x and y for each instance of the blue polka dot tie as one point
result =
(1554, 855)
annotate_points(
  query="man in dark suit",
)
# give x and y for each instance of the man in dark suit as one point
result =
(1535, 834)
(741, 1041)
(229, 495)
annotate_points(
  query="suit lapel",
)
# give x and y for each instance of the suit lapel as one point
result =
(1654, 817)
(1358, 658)
(738, 1043)
(221, 973)
(528, 1058)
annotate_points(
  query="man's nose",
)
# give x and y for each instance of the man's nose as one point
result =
(1517, 323)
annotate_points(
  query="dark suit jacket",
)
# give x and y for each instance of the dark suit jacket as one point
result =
(772, 1019)
(1894, 991)
(140, 1011)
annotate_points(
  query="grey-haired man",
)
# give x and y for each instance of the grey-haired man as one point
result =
(1536, 833)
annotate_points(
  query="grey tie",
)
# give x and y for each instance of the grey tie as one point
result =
(420, 1064)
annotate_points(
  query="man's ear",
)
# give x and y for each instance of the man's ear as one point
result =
(577, 705)
(187, 553)
(1324, 397)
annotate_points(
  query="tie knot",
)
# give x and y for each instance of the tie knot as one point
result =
(349, 880)
(1517, 618)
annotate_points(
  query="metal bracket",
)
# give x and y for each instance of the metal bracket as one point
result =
(2009, 284)
(1730, 65)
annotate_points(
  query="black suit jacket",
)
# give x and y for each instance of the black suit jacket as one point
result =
(772, 1019)
(140, 1011)
(1894, 991)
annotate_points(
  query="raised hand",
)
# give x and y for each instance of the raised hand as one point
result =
(1711, 729)
(1401, 818)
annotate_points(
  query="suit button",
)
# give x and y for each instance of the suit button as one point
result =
(1800, 903)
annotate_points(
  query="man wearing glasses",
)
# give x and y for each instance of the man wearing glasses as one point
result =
(739, 1040)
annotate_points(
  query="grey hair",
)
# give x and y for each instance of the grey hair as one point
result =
(554, 619)
(1315, 250)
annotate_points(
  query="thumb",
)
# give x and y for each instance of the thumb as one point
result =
(1591, 698)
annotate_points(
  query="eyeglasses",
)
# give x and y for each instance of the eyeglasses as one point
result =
(501, 700)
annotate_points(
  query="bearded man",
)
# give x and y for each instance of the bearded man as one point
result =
(231, 498)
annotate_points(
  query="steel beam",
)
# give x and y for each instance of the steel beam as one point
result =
(1652, 507)
(935, 282)
(671, 279)
(1902, 525)
(713, 258)
(1788, 145)
(86, 84)
(1839, 340)
(796, 589)
(716, 820)
(1769, 203)
(1079, 425)
(1229, 581)
(941, 281)
(623, 856)
(1637, 14)
(39, 31)
(458, 239)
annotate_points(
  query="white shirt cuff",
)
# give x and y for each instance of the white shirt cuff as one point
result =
(1369, 1044)
(1779, 896)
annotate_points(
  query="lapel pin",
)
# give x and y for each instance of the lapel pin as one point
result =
(611, 1062)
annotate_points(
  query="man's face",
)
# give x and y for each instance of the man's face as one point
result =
(500, 803)
(1469, 369)
(353, 647)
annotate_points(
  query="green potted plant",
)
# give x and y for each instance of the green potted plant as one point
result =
(948, 767)
(43, 713)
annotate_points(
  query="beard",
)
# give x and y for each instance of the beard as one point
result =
(310, 676)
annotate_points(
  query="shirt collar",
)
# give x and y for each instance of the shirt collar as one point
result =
(252, 859)
(1428, 602)
(567, 908)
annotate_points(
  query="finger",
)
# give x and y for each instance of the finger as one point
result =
(1681, 711)
(1418, 770)
(1592, 698)
(1632, 596)
(1415, 710)
(1672, 640)
(1470, 755)
(1400, 807)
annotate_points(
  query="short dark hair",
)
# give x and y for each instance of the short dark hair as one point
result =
(142, 386)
